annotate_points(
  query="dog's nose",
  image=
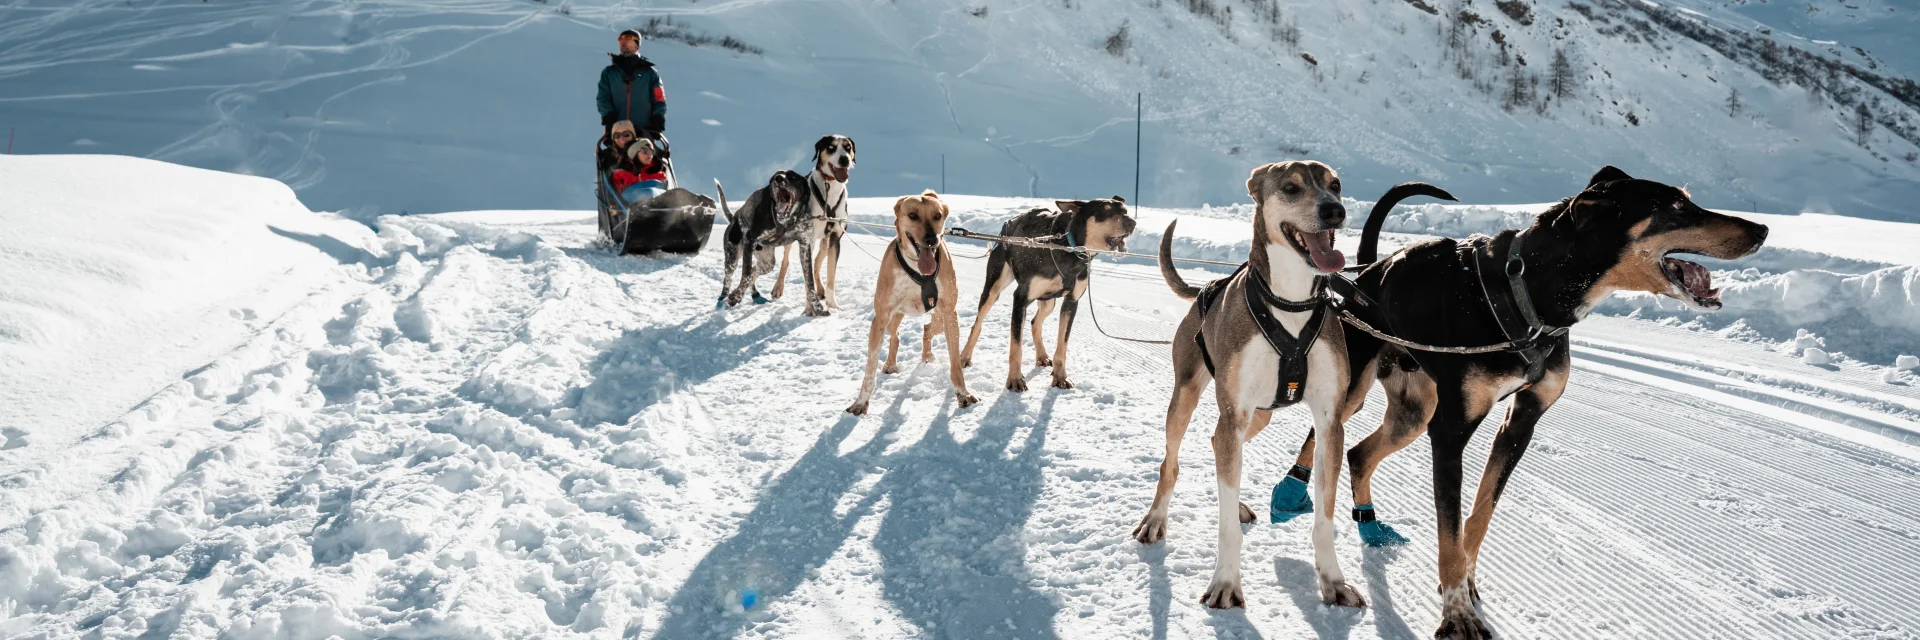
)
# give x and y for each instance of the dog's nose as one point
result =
(1759, 233)
(1333, 213)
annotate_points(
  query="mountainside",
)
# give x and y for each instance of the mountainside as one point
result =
(434, 106)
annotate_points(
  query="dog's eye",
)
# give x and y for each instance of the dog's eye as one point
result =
(913, 216)
(1290, 189)
(1335, 186)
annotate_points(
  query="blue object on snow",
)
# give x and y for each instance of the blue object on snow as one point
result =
(1290, 499)
(748, 598)
(1374, 532)
(759, 299)
(722, 304)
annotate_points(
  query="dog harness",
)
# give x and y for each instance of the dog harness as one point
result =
(1291, 376)
(1079, 264)
(1513, 312)
(929, 286)
(814, 192)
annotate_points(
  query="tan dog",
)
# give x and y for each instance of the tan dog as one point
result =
(1297, 208)
(916, 277)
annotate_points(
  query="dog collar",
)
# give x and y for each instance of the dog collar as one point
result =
(1527, 329)
(929, 285)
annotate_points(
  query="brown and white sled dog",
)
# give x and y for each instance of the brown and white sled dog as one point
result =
(916, 277)
(1296, 210)
(1044, 275)
(827, 194)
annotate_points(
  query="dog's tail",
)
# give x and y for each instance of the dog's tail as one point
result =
(1174, 281)
(1370, 236)
(723, 201)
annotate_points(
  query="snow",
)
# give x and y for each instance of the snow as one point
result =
(482, 424)
(414, 106)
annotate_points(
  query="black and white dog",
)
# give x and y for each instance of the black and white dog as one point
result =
(827, 197)
(773, 216)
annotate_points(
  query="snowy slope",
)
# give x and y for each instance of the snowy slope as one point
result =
(484, 425)
(408, 105)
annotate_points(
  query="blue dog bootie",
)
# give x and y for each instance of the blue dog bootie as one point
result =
(1374, 532)
(759, 299)
(1290, 497)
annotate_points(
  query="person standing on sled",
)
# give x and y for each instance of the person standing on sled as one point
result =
(630, 90)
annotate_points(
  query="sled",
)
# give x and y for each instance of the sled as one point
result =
(677, 221)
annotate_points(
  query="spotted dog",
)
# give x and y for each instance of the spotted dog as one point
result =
(773, 216)
(827, 192)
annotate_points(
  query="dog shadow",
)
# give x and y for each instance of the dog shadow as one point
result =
(645, 366)
(1159, 587)
(948, 542)
(791, 530)
(1387, 622)
(1303, 585)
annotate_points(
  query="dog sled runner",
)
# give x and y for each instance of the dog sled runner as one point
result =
(676, 221)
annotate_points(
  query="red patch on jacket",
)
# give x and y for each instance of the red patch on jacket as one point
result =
(659, 94)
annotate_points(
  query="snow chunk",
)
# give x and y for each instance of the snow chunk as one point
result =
(1906, 363)
(1815, 357)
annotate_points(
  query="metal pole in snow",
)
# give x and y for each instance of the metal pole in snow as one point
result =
(1136, 149)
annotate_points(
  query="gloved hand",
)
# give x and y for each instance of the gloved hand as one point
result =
(607, 119)
(657, 123)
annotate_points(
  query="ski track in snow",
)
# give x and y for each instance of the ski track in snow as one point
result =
(497, 429)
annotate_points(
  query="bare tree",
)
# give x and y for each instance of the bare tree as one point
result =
(1733, 102)
(1560, 75)
(1862, 123)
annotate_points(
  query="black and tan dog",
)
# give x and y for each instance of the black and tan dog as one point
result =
(1619, 234)
(916, 278)
(1045, 275)
(773, 216)
(1233, 336)
(833, 160)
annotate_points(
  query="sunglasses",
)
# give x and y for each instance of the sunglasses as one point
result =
(622, 134)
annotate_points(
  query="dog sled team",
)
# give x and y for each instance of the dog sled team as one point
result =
(1448, 329)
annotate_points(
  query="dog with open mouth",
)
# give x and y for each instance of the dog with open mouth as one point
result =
(833, 161)
(1523, 289)
(1044, 275)
(773, 216)
(1264, 338)
(916, 278)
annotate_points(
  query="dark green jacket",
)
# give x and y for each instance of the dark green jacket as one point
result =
(630, 90)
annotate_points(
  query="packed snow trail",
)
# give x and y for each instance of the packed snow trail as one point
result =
(504, 431)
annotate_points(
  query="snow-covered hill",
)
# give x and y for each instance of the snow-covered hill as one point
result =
(411, 105)
(227, 416)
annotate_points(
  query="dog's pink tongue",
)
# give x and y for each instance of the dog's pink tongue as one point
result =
(840, 173)
(1321, 252)
(927, 262)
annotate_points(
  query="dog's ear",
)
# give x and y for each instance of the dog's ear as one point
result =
(1069, 207)
(1608, 173)
(820, 146)
(900, 205)
(930, 194)
(851, 147)
(1258, 179)
(1118, 199)
(1589, 208)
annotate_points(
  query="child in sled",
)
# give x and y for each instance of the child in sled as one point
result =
(642, 176)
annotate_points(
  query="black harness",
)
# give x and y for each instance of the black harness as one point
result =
(1512, 307)
(814, 193)
(1081, 261)
(929, 286)
(1292, 374)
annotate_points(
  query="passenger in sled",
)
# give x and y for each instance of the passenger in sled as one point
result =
(643, 175)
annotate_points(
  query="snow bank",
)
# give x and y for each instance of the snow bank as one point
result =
(119, 274)
(1873, 317)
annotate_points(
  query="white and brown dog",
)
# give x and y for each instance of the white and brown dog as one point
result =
(916, 278)
(827, 193)
(1254, 335)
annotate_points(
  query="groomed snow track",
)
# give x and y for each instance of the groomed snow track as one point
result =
(495, 428)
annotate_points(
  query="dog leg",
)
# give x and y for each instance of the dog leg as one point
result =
(1064, 327)
(1330, 432)
(1410, 404)
(874, 334)
(1291, 496)
(1261, 418)
(893, 345)
(1040, 357)
(780, 281)
(1452, 428)
(746, 275)
(814, 308)
(1223, 592)
(1016, 381)
(999, 275)
(1528, 405)
(726, 275)
(1186, 396)
(833, 263)
(951, 321)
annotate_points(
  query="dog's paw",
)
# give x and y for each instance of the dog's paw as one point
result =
(967, 362)
(759, 299)
(779, 290)
(720, 303)
(891, 367)
(1151, 529)
(817, 312)
(858, 408)
(733, 300)
(1462, 624)
(1042, 361)
(1246, 514)
(1224, 593)
(1341, 594)
(1017, 384)
(1061, 382)
(965, 399)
